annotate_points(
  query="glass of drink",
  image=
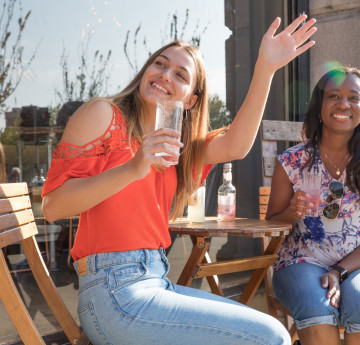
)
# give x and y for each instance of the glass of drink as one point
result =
(169, 114)
(312, 185)
(196, 206)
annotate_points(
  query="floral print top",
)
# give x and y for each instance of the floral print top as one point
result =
(318, 240)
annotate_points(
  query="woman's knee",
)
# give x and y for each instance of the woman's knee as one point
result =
(298, 287)
(350, 303)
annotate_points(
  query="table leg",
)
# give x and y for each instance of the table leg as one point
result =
(213, 281)
(201, 246)
(259, 274)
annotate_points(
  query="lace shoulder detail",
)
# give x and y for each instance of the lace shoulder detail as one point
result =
(114, 138)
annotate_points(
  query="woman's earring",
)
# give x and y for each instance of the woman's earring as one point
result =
(320, 119)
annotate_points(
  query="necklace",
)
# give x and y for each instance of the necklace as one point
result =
(335, 166)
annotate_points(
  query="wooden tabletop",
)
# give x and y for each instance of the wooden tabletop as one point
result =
(240, 226)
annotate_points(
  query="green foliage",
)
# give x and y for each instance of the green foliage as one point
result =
(219, 115)
(12, 64)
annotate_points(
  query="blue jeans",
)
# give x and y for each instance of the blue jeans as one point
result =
(298, 288)
(126, 298)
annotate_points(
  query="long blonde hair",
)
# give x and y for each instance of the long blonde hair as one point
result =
(194, 129)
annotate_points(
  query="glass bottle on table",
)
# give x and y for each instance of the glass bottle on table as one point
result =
(227, 196)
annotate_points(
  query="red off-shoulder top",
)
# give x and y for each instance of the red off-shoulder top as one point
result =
(134, 218)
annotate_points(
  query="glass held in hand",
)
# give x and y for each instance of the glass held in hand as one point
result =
(169, 114)
(311, 186)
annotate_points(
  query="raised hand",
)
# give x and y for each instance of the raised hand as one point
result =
(276, 51)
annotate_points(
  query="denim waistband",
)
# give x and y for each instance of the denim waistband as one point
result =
(93, 263)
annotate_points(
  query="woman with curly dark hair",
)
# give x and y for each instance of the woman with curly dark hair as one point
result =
(317, 275)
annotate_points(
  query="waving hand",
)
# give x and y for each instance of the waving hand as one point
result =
(277, 50)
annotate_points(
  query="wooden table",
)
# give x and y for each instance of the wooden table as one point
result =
(199, 263)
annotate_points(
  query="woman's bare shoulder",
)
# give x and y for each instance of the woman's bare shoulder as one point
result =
(89, 122)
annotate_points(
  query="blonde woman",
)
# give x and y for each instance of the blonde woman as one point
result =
(107, 170)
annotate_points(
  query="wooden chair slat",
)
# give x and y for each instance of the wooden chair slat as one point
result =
(282, 130)
(15, 235)
(264, 199)
(14, 204)
(11, 220)
(17, 223)
(8, 190)
(264, 190)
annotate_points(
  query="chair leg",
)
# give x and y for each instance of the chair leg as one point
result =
(15, 307)
(49, 290)
(293, 334)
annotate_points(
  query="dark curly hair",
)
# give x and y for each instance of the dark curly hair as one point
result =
(312, 128)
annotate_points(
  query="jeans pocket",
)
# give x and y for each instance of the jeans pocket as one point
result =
(90, 324)
(128, 273)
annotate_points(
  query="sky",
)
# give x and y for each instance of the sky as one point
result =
(54, 25)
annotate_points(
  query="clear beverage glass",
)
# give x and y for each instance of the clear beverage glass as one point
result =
(169, 114)
(312, 186)
(196, 206)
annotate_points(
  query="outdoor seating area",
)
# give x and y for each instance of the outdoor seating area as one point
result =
(192, 257)
(189, 179)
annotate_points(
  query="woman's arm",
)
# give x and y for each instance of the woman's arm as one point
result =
(284, 204)
(77, 195)
(274, 53)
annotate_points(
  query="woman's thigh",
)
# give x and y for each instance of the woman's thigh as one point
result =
(299, 289)
(350, 303)
(133, 305)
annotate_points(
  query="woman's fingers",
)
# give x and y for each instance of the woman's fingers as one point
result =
(305, 37)
(304, 29)
(159, 144)
(294, 25)
(334, 296)
(304, 48)
(273, 27)
(301, 204)
(331, 282)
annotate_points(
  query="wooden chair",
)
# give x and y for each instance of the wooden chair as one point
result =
(276, 136)
(17, 224)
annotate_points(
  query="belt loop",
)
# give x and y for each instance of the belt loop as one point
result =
(162, 253)
(93, 263)
(147, 257)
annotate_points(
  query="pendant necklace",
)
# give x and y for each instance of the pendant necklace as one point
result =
(335, 166)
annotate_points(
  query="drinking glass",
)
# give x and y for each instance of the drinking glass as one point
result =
(169, 114)
(312, 185)
(196, 206)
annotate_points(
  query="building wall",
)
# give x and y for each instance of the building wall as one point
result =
(337, 38)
